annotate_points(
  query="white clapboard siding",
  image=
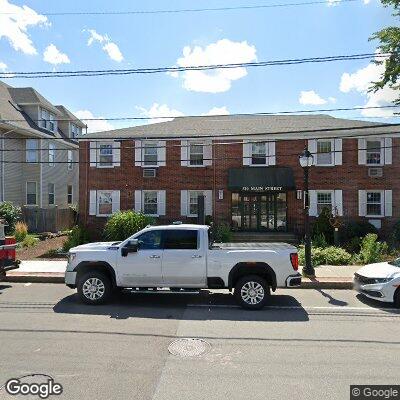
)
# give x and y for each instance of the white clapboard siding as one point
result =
(138, 153)
(184, 202)
(362, 151)
(92, 202)
(338, 152)
(388, 203)
(138, 200)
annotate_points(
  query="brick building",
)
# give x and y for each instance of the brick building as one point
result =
(248, 169)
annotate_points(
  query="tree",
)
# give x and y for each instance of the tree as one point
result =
(389, 39)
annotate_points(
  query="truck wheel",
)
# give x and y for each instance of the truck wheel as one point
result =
(94, 288)
(252, 292)
(396, 298)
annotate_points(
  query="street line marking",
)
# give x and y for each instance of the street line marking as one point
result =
(28, 284)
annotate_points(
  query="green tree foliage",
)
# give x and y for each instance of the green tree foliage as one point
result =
(322, 226)
(11, 214)
(389, 42)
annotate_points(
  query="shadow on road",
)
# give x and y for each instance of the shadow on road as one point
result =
(332, 300)
(2, 287)
(388, 307)
(203, 306)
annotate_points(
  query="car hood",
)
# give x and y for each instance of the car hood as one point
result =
(94, 246)
(378, 270)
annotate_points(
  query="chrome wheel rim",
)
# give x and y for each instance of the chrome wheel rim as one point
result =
(252, 293)
(93, 289)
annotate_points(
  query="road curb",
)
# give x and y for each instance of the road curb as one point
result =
(57, 277)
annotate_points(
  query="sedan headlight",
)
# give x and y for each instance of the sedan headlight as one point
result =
(382, 280)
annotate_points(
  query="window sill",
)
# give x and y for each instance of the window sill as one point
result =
(259, 165)
(150, 166)
(374, 165)
(103, 215)
(374, 216)
(196, 166)
(103, 166)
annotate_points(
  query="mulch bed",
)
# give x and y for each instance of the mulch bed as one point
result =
(39, 250)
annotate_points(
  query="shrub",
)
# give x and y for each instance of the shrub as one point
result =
(395, 237)
(222, 233)
(124, 224)
(21, 231)
(351, 232)
(11, 214)
(372, 250)
(30, 241)
(328, 256)
(322, 225)
(319, 241)
(76, 236)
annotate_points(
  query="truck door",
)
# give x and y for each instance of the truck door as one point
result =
(184, 261)
(142, 268)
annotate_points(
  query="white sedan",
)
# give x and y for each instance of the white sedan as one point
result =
(380, 281)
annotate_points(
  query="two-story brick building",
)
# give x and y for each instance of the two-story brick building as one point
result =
(246, 166)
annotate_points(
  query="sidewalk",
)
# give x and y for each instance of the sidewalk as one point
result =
(327, 276)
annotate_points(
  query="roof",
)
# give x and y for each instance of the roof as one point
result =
(179, 226)
(68, 115)
(243, 125)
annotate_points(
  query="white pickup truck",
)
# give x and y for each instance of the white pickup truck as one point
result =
(181, 256)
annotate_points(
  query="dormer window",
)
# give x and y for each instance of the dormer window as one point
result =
(75, 131)
(47, 120)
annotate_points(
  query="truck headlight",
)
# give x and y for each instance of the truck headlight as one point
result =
(71, 257)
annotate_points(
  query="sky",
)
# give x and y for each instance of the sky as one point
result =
(31, 41)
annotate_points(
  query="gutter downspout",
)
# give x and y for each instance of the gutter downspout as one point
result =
(3, 165)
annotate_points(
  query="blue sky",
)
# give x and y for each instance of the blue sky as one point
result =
(131, 41)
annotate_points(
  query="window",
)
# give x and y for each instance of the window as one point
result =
(150, 153)
(374, 152)
(196, 154)
(374, 203)
(193, 199)
(104, 202)
(31, 193)
(150, 240)
(150, 205)
(69, 194)
(44, 115)
(47, 120)
(258, 153)
(32, 150)
(105, 155)
(324, 200)
(75, 130)
(51, 194)
(52, 154)
(325, 152)
(179, 239)
(70, 159)
(52, 122)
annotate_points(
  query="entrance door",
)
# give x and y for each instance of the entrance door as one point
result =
(259, 212)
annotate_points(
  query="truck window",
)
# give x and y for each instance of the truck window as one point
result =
(180, 239)
(150, 240)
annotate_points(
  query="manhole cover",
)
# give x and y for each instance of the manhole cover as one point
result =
(189, 347)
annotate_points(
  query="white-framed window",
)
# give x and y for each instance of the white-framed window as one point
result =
(325, 152)
(70, 159)
(193, 196)
(150, 202)
(32, 150)
(31, 193)
(75, 130)
(70, 196)
(324, 200)
(51, 194)
(44, 116)
(150, 153)
(52, 122)
(47, 120)
(196, 154)
(105, 152)
(104, 202)
(52, 154)
(259, 153)
(374, 152)
(374, 204)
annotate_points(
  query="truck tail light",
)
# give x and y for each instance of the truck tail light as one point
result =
(294, 259)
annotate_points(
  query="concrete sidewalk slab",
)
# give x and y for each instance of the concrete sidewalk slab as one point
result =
(33, 266)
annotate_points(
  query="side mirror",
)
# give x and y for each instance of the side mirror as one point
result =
(131, 247)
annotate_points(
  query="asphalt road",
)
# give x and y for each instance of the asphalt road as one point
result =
(308, 344)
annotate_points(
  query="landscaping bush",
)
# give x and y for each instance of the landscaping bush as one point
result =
(124, 224)
(21, 231)
(328, 256)
(322, 226)
(371, 250)
(351, 233)
(11, 214)
(76, 236)
(222, 233)
(30, 241)
(319, 241)
(395, 237)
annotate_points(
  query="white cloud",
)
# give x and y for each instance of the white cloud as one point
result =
(93, 126)
(223, 51)
(310, 97)
(218, 111)
(109, 47)
(360, 81)
(14, 24)
(3, 66)
(54, 56)
(332, 2)
(160, 110)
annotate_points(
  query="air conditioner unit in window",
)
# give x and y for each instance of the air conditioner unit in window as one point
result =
(149, 173)
(375, 172)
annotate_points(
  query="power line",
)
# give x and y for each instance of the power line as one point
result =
(187, 10)
(295, 61)
(215, 116)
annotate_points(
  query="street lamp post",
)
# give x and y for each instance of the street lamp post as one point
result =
(306, 160)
